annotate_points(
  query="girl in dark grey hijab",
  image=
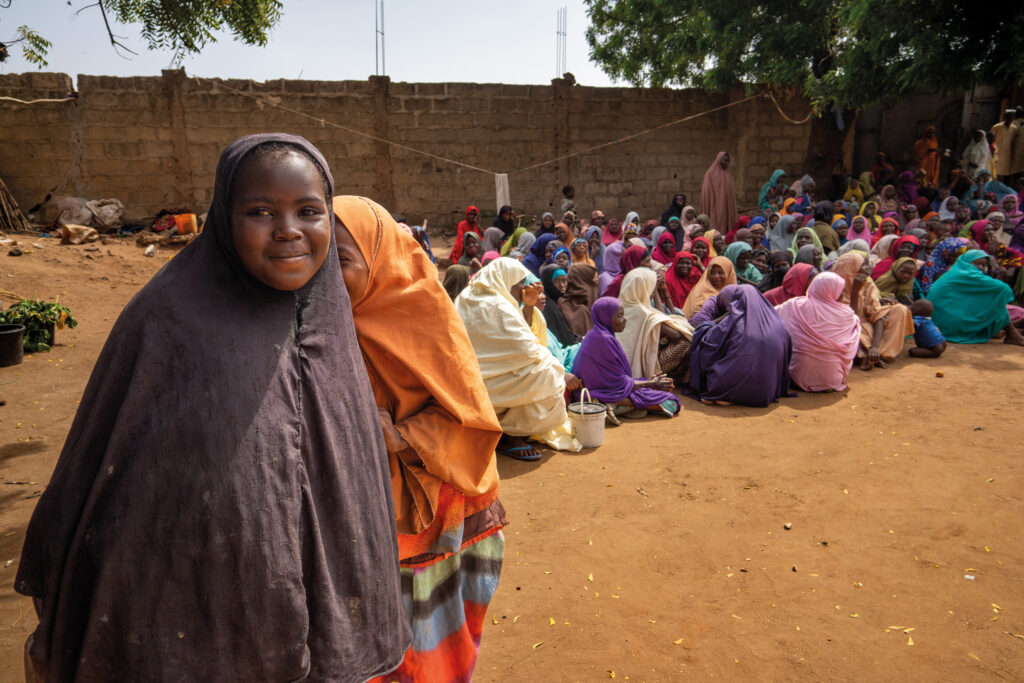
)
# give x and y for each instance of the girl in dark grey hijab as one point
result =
(222, 506)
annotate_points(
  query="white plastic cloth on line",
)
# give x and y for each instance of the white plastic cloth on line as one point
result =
(501, 194)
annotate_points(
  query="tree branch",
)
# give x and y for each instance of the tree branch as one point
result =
(110, 33)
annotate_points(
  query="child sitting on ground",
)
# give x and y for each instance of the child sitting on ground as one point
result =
(927, 336)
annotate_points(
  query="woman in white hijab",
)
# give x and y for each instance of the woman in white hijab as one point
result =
(525, 382)
(646, 327)
(977, 155)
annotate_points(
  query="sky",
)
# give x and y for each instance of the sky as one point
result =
(483, 41)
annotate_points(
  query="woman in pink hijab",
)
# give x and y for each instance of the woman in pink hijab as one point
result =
(825, 334)
(718, 194)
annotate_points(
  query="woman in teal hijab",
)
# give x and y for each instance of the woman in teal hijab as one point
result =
(769, 195)
(970, 306)
(741, 254)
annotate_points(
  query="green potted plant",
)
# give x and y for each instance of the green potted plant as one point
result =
(41, 319)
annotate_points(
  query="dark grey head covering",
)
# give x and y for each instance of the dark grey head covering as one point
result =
(222, 506)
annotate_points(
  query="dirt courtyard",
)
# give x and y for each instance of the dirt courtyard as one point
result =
(665, 554)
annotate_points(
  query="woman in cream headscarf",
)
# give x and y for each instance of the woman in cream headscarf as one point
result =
(524, 381)
(883, 327)
(646, 327)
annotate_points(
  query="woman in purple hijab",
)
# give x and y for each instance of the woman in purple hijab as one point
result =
(612, 265)
(602, 366)
(742, 356)
(538, 256)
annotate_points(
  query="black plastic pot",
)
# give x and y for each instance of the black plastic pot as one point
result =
(11, 344)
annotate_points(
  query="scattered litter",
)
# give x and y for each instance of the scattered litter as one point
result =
(940, 374)
(787, 526)
(536, 645)
(968, 577)
(1015, 635)
(515, 618)
(551, 621)
(680, 641)
(150, 250)
(590, 577)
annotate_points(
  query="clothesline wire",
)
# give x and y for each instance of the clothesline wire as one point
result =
(783, 114)
(626, 138)
(398, 145)
(324, 122)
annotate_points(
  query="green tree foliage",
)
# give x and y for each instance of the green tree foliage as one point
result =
(33, 46)
(181, 27)
(844, 53)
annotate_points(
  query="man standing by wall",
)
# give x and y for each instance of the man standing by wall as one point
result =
(1004, 132)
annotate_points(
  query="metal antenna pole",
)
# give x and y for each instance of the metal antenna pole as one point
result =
(383, 53)
(565, 37)
(376, 39)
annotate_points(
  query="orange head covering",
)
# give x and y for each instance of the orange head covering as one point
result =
(423, 371)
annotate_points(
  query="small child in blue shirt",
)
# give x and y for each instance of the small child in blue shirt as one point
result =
(927, 336)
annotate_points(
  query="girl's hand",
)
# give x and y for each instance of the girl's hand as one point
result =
(393, 439)
(531, 293)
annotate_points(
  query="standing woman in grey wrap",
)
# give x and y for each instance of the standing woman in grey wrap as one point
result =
(222, 506)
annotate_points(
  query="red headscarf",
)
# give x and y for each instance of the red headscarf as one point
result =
(608, 236)
(885, 264)
(978, 232)
(659, 255)
(793, 284)
(631, 258)
(679, 288)
(878, 234)
(741, 222)
(464, 227)
(711, 250)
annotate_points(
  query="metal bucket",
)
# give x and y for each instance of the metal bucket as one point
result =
(587, 418)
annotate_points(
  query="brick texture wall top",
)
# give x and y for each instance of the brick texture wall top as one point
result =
(153, 142)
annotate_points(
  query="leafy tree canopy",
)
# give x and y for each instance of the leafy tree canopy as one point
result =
(182, 27)
(845, 53)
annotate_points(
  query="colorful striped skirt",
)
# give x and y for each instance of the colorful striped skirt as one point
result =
(446, 602)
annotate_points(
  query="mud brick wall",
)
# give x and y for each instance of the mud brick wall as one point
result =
(153, 142)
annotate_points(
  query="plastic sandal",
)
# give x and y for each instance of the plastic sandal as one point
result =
(514, 453)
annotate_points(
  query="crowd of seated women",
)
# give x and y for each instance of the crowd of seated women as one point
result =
(791, 298)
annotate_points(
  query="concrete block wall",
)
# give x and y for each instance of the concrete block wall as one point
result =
(153, 142)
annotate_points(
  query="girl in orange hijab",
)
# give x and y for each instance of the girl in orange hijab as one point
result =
(440, 430)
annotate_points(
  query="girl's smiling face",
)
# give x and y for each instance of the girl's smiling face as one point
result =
(280, 218)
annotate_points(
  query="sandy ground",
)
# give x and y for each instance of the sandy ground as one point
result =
(664, 555)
